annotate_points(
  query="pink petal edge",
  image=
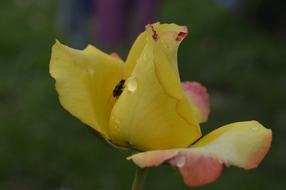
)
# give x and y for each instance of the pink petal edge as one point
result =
(197, 170)
(258, 157)
(196, 167)
(116, 56)
(198, 95)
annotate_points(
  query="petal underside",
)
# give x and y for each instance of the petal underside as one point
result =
(85, 80)
(240, 144)
(153, 111)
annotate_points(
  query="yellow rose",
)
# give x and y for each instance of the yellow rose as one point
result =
(141, 104)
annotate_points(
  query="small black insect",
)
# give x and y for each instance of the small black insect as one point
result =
(118, 89)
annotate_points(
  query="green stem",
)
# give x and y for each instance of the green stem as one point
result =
(139, 179)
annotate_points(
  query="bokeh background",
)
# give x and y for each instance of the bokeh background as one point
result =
(236, 48)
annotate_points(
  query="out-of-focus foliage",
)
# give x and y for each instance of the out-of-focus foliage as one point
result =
(42, 147)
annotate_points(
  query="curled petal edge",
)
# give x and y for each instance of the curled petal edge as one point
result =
(241, 144)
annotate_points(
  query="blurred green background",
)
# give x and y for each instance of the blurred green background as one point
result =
(237, 51)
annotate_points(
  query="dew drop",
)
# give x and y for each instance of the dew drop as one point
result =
(180, 162)
(254, 129)
(131, 84)
(90, 71)
(116, 123)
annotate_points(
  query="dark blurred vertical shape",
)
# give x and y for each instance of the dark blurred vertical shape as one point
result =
(111, 21)
(72, 21)
(147, 12)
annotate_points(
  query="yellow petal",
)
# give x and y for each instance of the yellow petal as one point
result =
(153, 111)
(241, 144)
(85, 80)
(170, 36)
(134, 54)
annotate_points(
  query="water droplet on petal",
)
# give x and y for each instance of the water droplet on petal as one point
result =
(254, 129)
(90, 71)
(132, 84)
(180, 162)
(116, 123)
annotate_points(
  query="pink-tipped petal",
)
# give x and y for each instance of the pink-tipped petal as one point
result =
(196, 169)
(116, 56)
(198, 96)
(182, 35)
(240, 144)
(255, 160)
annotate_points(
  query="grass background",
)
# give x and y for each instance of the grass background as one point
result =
(43, 147)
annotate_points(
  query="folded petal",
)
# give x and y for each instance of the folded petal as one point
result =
(85, 80)
(199, 98)
(153, 111)
(169, 35)
(134, 54)
(241, 144)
